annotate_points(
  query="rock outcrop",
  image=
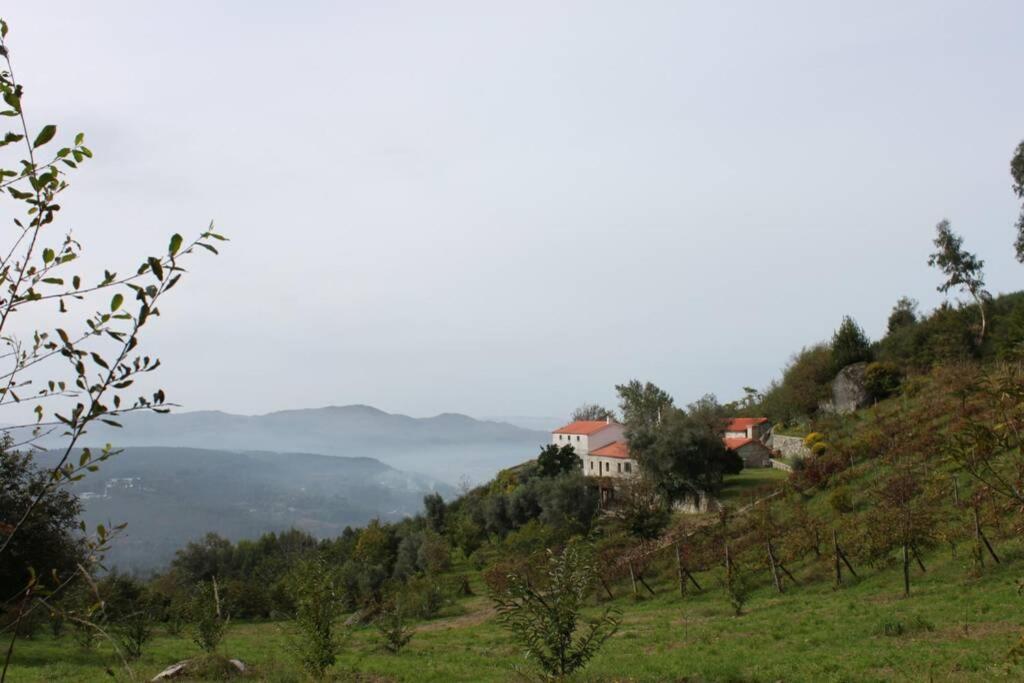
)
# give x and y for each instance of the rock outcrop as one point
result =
(849, 392)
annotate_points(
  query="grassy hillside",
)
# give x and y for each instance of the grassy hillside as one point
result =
(953, 628)
(962, 622)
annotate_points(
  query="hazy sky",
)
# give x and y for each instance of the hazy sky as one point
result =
(506, 208)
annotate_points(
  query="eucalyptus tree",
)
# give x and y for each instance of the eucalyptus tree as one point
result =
(961, 268)
(69, 340)
(1017, 173)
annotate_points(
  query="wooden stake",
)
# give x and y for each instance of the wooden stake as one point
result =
(640, 578)
(632, 578)
(606, 588)
(906, 571)
(835, 552)
(679, 572)
(775, 571)
(846, 561)
(913, 549)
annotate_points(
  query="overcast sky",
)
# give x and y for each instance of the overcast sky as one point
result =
(507, 208)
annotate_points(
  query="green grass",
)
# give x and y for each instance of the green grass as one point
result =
(953, 627)
(752, 481)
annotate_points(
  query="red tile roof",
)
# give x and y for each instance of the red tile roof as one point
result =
(584, 427)
(735, 443)
(740, 424)
(616, 449)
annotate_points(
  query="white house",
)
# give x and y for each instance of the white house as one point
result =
(601, 444)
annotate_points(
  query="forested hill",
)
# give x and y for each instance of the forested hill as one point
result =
(171, 496)
(447, 446)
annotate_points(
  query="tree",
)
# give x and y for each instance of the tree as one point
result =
(806, 381)
(961, 268)
(435, 509)
(78, 367)
(849, 344)
(544, 616)
(554, 460)
(681, 456)
(642, 405)
(318, 606)
(49, 541)
(592, 412)
(904, 314)
(643, 511)
(1017, 173)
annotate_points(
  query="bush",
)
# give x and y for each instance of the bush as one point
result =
(207, 619)
(424, 597)
(545, 616)
(841, 501)
(882, 380)
(318, 606)
(391, 625)
(813, 438)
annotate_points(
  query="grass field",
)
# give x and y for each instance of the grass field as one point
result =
(952, 628)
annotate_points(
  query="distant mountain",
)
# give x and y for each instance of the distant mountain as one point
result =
(170, 496)
(531, 422)
(449, 446)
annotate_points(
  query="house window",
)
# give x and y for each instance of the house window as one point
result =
(591, 464)
(619, 464)
(629, 467)
(577, 438)
(607, 466)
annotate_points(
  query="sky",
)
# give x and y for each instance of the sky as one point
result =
(504, 209)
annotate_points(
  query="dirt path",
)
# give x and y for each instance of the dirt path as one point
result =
(481, 611)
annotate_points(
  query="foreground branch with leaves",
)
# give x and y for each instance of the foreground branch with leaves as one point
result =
(79, 369)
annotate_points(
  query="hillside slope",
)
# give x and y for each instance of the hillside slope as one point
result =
(170, 496)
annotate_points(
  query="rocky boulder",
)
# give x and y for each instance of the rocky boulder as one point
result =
(849, 390)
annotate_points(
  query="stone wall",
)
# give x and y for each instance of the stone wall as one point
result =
(789, 446)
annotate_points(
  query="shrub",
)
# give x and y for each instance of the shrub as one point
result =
(392, 628)
(841, 501)
(882, 380)
(318, 606)
(424, 596)
(819, 448)
(545, 617)
(813, 438)
(207, 619)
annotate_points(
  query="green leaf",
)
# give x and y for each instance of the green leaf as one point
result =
(116, 301)
(45, 135)
(48, 255)
(156, 267)
(175, 244)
